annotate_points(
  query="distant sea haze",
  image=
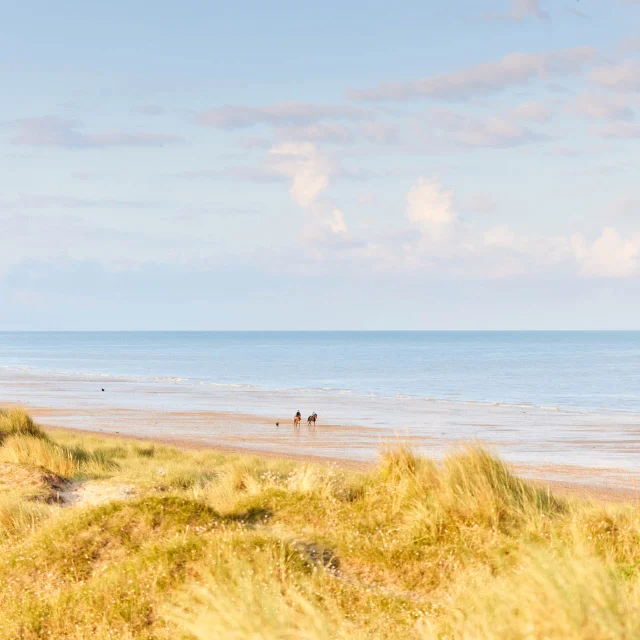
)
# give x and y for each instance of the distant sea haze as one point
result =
(586, 371)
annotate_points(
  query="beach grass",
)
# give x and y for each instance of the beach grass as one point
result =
(199, 544)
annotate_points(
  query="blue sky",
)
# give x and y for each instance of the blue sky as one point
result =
(287, 165)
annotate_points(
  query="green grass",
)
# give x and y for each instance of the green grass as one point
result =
(226, 546)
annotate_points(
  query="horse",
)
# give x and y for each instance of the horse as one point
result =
(296, 421)
(312, 419)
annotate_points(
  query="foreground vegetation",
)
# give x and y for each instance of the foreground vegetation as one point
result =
(204, 545)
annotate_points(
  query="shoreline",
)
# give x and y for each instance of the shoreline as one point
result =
(599, 448)
(349, 426)
(571, 489)
(543, 452)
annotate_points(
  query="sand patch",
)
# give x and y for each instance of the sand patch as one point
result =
(92, 493)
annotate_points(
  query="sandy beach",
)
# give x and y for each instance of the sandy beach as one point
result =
(596, 449)
(326, 444)
(350, 426)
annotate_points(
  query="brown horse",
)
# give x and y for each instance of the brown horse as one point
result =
(312, 419)
(297, 419)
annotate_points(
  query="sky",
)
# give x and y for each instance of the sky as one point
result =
(301, 166)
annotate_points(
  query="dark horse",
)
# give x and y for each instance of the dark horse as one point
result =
(312, 419)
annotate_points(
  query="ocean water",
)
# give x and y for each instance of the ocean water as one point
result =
(543, 397)
(571, 370)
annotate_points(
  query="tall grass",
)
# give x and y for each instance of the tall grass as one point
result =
(22, 441)
(572, 598)
(66, 462)
(17, 422)
(19, 517)
(266, 591)
(234, 547)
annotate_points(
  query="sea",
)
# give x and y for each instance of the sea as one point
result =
(544, 394)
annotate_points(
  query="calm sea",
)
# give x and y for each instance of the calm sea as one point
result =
(547, 397)
(577, 370)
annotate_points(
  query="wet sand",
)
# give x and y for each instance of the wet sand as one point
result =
(326, 444)
(555, 443)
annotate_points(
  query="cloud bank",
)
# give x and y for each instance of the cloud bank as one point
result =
(513, 70)
(281, 114)
(52, 131)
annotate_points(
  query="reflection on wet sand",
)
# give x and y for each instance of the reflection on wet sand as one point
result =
(591, 447)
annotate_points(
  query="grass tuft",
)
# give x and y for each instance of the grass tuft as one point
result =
(19, 517)
(17, 422)
(560, 598)
(67, 462)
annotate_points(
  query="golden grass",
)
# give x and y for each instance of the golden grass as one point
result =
(225, 546)
(546, 596)
(19, 517)
(24, 442)
(17, 422)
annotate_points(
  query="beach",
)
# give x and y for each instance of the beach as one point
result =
(426, 390)
(347, 447)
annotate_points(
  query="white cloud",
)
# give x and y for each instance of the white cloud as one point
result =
(335, 222)
(477, 132)
(631, 44)
(52, 131)
(481, 203)
(609, 256)
(339, 133)
(521, 10)
(528, 8)
(604, 106)
(430, 206)
(500, 251)
(500, 236)
(627, 208)
(514, 70)
(328, 132)
(280, 114)
(623, 76)
(379, 132)
(533, 111)
(622, 130)
(310, 172)
(306, 166)
(366, 198)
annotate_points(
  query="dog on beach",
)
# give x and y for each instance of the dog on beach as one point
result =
(312, 419)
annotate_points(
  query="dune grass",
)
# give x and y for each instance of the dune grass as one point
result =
(22, 441)
(17, 422)
(226, 546)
